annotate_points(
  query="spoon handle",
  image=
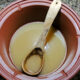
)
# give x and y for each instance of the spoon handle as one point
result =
(50, 17)
(52, 13)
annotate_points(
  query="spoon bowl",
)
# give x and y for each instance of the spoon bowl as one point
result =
(39, 53)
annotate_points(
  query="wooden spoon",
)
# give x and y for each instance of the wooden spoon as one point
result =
(39, 47)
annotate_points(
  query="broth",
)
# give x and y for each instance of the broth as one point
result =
(24, 40)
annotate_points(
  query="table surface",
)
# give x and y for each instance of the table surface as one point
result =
(74, 4)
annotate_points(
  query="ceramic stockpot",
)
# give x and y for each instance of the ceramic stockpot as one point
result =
(21, 12)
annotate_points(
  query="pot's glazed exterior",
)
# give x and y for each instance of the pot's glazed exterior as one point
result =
(23, 11)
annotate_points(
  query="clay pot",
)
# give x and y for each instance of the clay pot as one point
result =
(25, 11)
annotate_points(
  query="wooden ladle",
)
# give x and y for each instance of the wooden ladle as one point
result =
(39, 47)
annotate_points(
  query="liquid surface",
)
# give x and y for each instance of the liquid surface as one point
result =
(33, 66)
(25, 39)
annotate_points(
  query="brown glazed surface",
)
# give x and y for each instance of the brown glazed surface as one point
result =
(35, 10)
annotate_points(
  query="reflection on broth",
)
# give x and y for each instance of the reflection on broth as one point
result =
(24, 40)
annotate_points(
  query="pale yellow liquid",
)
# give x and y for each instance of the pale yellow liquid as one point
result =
(33, 63)
(24, 40)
